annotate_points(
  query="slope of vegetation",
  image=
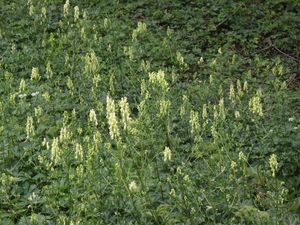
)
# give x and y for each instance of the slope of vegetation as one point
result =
(149, 112)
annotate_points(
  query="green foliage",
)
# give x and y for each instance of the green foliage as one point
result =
(146, 112)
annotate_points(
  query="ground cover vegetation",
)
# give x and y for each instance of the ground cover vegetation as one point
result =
(149, 112)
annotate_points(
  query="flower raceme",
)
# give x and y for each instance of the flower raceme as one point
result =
(255, 105)
(91, 63)
(133, 186)
(194, 123)
(29, 127)
(76, 13)
(164, 105)
(167, 154)
(55, 151)
(22, 86)
(141, 28)
(93, 117)
(66, 8)
(273, 164)
(112, 118)
(158, 78)
(35, 74)
(125, 112)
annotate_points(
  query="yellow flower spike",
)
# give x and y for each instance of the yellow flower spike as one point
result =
(194, 123)
(78, 152)
(242, 156)
(49, 72)
(158, 78)
(93, 117)
(167, 154)
(133, 187)
(273, 164)
(237, 114)
(255, 105)
(66, 8)
(112, 119)
(55, 151)
(172, 192)
(204, 112)
(245, 86)
(76, 13)
(232, 93)
(125, 112)
(44, 13)
(22, 86)
(64, 134)
(30, 127)
(222, 109)
(35, 74)
(239, 88)
(164, 106)
(141, 28)
(184, 105)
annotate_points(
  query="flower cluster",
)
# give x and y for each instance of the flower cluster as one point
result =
(255, 105)
(35, 75)
(78, 152)
(93, 117)
(141, 28)
(55, 151)
(29, 127)
(158, 78)
(164, 106)
(22, 86)
(66, 8)
(167, 154)
(183, 107)
(180, 59)
(273, 164)
(133, 186)
(64, 134)
(112, 118)
(76, 13)
(125, 112)
(194, 122)
(91, 64)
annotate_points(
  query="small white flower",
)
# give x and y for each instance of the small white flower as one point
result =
(291, 119)
(200, 61)
(22, 95)
(35, 93)
(209, 208)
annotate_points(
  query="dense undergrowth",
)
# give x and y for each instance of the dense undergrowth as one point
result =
(149, 112)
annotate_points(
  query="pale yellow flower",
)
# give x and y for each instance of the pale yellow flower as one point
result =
(133, 186)
(167, 154)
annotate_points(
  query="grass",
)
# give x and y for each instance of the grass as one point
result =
(149, 112)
